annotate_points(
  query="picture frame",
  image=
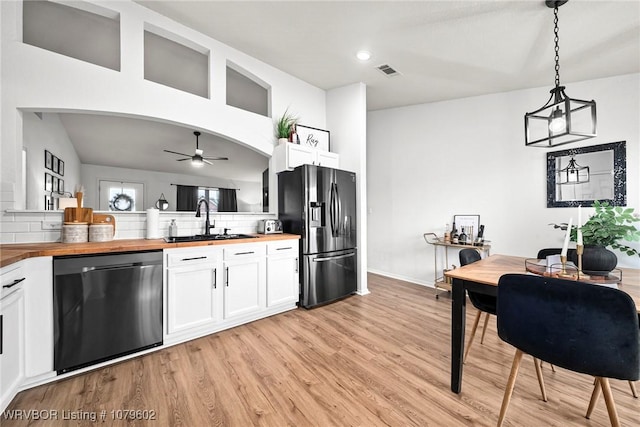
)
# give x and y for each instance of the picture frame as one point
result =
(468, 221)
(60, 167)
(49, 203)
(313, 137)
(48, 182)
(60, 186)
(48, 160)
(55, 184)
(54, 164)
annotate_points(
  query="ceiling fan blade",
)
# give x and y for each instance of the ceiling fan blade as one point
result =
(207, 162)
(182, 160)
(215, 158)
(175, 152)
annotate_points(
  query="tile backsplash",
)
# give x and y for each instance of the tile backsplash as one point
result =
(45, 226)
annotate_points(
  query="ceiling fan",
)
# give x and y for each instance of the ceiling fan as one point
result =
(197, 159)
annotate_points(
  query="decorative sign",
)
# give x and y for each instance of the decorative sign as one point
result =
(312, 137)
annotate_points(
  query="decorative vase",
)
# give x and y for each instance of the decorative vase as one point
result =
(282, 141)
(596, 260)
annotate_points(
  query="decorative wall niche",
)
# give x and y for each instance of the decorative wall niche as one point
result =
(86, 32)
(172, 63)
(246, 91)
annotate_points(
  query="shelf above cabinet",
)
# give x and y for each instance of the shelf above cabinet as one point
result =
(289, 156)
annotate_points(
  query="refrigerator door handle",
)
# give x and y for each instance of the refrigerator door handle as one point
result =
(333, 209)
(331, 258)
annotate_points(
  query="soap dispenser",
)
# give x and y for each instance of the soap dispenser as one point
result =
(173, 228)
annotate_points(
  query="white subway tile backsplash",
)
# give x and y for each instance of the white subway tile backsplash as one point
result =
(15, 227)
(24, 226)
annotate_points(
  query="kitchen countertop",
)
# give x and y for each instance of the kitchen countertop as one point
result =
(14, 252)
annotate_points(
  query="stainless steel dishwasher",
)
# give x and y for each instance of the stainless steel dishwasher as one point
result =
(105, 306)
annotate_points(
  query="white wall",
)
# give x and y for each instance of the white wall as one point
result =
(347, 120)
(33, 79)
(467, 156)
(47, 133)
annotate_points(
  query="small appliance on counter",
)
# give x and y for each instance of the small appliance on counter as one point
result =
(270, 226)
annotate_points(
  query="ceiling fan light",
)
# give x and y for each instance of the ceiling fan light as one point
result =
(197, 162)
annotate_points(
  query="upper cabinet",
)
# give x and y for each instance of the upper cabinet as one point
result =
(289, 156)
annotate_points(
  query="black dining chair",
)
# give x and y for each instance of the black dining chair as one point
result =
(543, 253)
(483, 303)
(599, 333)
(487, 304)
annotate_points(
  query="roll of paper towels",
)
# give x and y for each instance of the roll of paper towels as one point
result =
(153, 223)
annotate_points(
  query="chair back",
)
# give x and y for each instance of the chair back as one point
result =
(467, 256)
(482, 302)
(582, 327)
(543, 253)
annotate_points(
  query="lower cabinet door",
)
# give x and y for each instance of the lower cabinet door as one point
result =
(192, 297)
(244, 288)
(12, 351)
(282, 280)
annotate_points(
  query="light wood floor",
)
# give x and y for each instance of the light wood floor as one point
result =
(378, 360)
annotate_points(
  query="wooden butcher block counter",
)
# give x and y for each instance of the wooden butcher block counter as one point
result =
(14, 252)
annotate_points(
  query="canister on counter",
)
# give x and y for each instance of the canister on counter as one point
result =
(75, 232)
(101, 232)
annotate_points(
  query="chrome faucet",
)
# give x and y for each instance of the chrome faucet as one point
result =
(207, 224)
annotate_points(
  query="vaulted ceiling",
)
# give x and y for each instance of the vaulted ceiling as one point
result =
(442, 49)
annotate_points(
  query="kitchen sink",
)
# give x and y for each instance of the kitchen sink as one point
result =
(204, 237)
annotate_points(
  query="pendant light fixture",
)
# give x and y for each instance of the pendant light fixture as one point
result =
(573, 173)
(562, 119)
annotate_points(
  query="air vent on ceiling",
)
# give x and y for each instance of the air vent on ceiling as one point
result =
(387, 70)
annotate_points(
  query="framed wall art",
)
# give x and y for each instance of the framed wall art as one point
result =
(313, 137)
(48, 160)
(48, 182)
(470, 222)
(54, 164)
(60, 167)
(55, 184)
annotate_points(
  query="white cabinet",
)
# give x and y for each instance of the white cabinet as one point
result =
(38, 303)
(245, 280)
(12, 333)
(192, 279)
(282, 272)
(289, 156)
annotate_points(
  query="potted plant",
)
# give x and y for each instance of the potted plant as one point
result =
(285, 126)
(609, 226)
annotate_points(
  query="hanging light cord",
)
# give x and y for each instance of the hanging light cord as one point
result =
(556, 39)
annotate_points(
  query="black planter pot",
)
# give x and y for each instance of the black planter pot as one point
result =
(596, 260)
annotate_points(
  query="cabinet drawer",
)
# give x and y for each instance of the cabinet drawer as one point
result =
(191, 257)
(244, 251)
(11, 279)
(283, 247)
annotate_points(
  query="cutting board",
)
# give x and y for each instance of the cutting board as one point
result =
(78, 215)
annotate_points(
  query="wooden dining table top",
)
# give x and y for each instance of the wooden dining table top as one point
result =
(489, 270)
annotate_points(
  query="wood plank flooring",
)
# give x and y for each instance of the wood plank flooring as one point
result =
(377, 360)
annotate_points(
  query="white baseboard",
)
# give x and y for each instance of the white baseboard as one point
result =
(403, 278)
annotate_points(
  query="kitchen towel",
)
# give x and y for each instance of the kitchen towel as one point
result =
(153, 223)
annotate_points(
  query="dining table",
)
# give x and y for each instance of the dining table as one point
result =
(483, 276)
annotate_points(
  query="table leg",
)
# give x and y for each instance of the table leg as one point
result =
(458, 307)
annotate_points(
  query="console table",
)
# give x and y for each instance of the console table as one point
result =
(441, 281)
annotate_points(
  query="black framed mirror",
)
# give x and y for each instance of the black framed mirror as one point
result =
(580, 176)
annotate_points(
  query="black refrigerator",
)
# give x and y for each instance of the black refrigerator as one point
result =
(319, 204)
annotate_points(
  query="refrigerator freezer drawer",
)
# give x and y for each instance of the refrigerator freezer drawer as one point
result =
(328, 276)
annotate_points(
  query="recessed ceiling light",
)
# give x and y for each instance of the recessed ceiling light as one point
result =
(363, 55)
